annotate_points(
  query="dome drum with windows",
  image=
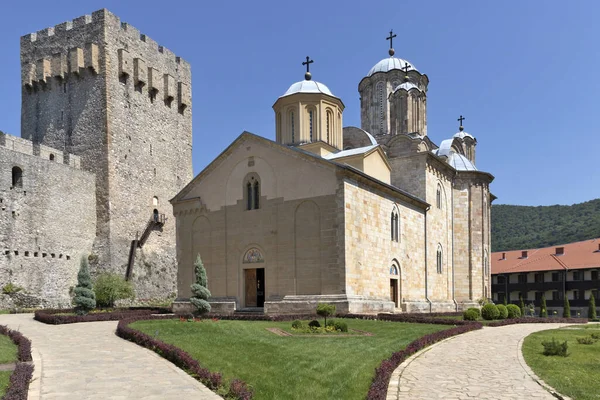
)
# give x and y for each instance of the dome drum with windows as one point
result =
(308, 112)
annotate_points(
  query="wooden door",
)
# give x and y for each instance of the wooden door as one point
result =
(394, 291)
(250, 287)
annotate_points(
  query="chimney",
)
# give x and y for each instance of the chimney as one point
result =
(524, 254)
(503, 256)
(560, 251)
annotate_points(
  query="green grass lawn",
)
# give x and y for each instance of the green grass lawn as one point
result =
(575, 376)
(8, 350)
(279, 367)
(4, 381)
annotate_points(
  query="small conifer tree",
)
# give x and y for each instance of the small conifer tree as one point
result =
(85, 298)
(522, 305)
(567, 309)
(200, 289)
(543, 309)
(592, 307)
(505, 300)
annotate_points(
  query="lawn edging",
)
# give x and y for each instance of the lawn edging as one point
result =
(49, 316)
(237, 389)
(18, 387)
(533, 320)
(381, 381)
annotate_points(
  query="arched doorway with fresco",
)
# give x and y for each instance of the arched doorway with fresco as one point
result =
(253, 274)
(395, 284)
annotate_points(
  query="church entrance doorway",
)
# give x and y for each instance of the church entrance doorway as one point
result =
(255, 287)
(394, 291)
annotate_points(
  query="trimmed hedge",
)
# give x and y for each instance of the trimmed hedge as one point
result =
(19, 380)
(502, 311)
(48, 316)
(418, 319)
(525, 320)
(470, 315)
(490, 312)
(379, 386)
(213, 380)
(513, 311)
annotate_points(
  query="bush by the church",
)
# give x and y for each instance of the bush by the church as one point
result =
(490, 312)
(297, 324)
(340, 326)
(111, 287)
(513, 311)
(502, 311)
(314, 324)
(477, 310)
(470, 315)
(555, 348)
(85, 299)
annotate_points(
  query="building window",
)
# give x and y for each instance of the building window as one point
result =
(594, 275)
(256, 195)
(539, 277)
(538, 296)
(279, 127)
(393, 270)
(380, 103)
(501, 279)
(522, 278)
(576, 294)
(438, 196)
(394, 226)
(328, 124)
(486, 269)
(439, 258)
(249, 196)
(252, 193)
(501, 297)
(17, 177)
(51, 157)
(310, 125)
(293, 128)
(595, 293)
(555, 277)
(556, 295)
(577, 276)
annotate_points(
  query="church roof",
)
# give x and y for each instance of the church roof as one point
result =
(350, 152)
(463, 134)
(460, 162)
(406, 86)
(308, 87)
(390, 63)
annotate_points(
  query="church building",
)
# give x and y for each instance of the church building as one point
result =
(371, 219)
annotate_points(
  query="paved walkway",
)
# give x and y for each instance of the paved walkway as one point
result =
(88, 361)
(482, 364)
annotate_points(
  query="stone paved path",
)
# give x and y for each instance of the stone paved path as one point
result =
(88, 361)
(482, 364)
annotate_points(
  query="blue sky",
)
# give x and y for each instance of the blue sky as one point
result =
(523, 73)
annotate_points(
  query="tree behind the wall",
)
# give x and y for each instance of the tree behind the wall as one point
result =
(543, 309)
(200, 289)
(592, 307)
(85, 299)
(567, 309)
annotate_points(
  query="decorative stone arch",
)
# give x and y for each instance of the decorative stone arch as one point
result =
(253, 276)
(17, 177)
(293, 124)
(441, 199)
(329, 126)
(311, 122)
(395, 224)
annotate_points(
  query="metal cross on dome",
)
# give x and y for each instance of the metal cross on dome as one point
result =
(391, 38)
(307, 63)
(461, 119)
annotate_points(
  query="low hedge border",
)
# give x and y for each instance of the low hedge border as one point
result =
(381, 381)
(48, 316)
(534, 320)
(18, 387)
(237, 389)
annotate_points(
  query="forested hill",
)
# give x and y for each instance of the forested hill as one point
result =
(524, 227)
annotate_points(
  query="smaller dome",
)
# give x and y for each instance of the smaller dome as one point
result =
(390, 63)
(460, 162)
(308, 87)
(406, 86)
(463, 134)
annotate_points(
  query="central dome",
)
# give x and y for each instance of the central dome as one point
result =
(390, 63)
(308, 87)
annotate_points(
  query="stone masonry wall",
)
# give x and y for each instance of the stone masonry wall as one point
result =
(40, 243)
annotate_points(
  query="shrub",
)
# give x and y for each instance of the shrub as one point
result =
(592, 307)
(543, 309)
(314, 324)
(513, 311)
(200, 289)
(477, 310)
(329, 323)
(325, 310)
(586, 340)
(11, 288)
(522, 305)
(502, 311)
(555, 348)
(85, 299)
(470, 315)
(596, 336)
(567, 309)
(297, 324)
(111, 287)
(341, 326)
(489, 312)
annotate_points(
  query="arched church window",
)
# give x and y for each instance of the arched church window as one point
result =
(279, 127)
(394, 270)
(17, 177)
(310, 124)
(248, 196)
(256, 195)
(51, 157)
(292, 127)
(379, 88)
(486, 267)
(155, 201)
(395, 226)
(438, 196)
(439, 258)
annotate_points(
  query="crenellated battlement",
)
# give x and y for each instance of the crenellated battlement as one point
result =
(27, 147)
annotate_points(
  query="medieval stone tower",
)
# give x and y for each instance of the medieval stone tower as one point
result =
(97, 88)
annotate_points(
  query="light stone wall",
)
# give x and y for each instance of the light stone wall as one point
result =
(370, 252)
(40, 243)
